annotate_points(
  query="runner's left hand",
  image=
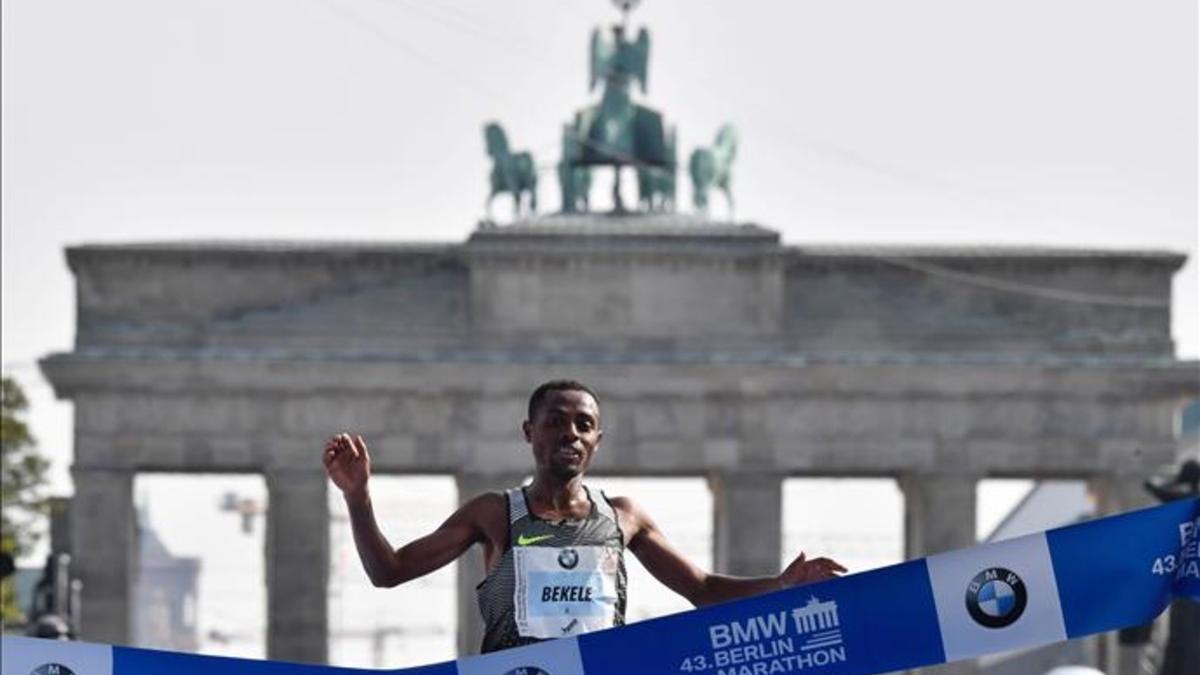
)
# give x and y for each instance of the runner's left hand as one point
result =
(804, 571)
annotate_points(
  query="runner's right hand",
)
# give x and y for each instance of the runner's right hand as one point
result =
(348, 463)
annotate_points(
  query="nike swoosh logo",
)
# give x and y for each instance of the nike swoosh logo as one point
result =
(525, 541)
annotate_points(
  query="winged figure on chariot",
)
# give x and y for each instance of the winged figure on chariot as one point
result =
(616, 131)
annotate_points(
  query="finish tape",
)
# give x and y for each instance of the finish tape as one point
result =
(1061, 584)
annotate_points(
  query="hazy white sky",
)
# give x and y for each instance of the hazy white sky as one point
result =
(1030, 122)
(1038, 122)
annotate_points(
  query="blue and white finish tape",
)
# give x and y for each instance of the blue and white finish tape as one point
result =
(1056, 585)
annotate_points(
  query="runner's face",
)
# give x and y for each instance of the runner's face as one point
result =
(565, 432)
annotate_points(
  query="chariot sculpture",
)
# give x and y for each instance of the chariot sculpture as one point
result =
(615, 132)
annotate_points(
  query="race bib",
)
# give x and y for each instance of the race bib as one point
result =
(564, 591)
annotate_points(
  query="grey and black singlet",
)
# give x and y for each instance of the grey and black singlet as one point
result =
(554, 579)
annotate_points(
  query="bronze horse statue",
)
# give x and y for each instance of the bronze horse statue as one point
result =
(574, 180)
(512, 172)
(712, 167)
(656, 185)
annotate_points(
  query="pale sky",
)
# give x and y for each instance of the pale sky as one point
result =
(1027, 122)
(1017, 122)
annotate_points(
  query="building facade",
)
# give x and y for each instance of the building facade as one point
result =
(717, 350)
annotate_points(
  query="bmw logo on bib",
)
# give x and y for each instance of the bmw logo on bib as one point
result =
(568, 558)
(996, 597)
(52, 669)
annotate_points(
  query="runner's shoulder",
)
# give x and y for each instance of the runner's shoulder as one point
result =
(486, 507)
(629, 511)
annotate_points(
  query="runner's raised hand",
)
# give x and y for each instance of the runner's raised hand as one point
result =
(803, 571)
(348, 463)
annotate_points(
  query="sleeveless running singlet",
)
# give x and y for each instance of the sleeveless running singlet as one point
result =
(554, 579)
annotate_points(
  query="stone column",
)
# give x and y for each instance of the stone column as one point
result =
(939, 515)
(297, 565)
(104, 542)
(60, 525)
(747, 522)
(1115, 494)
(470, 567)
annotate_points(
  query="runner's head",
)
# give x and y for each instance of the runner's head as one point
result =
(538, 397)
(563, 427)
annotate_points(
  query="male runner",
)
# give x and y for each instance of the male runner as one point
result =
(553, 549)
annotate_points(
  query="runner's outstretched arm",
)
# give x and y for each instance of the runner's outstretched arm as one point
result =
(647, 542)
(348, 464)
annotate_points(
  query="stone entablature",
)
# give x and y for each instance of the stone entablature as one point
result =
(618, 289)
(982, 300)
(190, 413)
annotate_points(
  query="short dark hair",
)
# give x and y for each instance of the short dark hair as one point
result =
(539, 395)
